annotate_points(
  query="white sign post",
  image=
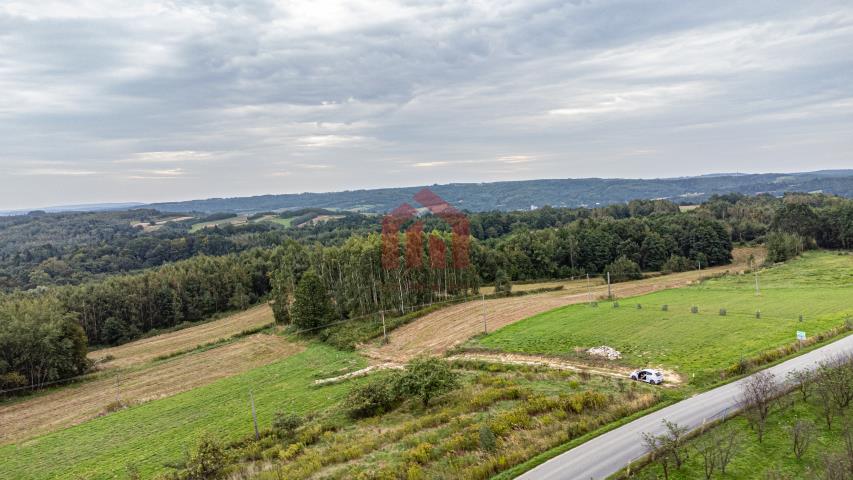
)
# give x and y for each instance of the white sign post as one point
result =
(801, 335)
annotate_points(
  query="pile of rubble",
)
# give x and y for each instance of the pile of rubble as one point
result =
(609, 353)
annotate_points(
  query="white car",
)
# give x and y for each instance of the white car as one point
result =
(649, 376)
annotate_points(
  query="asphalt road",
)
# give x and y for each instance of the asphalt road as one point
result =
(608, 453)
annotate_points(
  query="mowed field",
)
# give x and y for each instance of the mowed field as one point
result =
(819, 286)
(160, 431)
(134, 375)
(437, 332)
(148, 349)
(74, 404)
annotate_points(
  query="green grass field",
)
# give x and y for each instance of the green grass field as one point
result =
(160, 431)
(753, 459)
(819, 285)
(281, 221)
(202, 225)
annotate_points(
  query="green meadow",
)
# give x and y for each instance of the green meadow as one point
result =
(154, 433)
(818, 286)
(753, 459)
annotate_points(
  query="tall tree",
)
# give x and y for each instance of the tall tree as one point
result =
(312, 306)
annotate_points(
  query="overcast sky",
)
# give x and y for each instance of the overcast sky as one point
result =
(104, 100)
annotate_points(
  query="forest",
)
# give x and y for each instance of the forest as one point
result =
(343, 274)
(520, 195)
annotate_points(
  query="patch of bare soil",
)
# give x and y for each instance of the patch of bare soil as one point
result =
(439, 331)
(147, 349)
(671, 379)
(77, 403)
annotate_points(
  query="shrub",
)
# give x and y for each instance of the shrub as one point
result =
(414, 472)
(420, 453)
(425, 378)
(285, 423)
(676, 263)
(208, 460)
(783, 246)
(114, 406)
(372, 398)
(503, 284)
(488, 441)
(623, 269)
(511, 419)
(467, 440)
(291, 451)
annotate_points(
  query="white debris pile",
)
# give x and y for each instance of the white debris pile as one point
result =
(609, 353)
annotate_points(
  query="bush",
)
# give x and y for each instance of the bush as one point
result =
(114, 406)
(12, 380)
(285, 423)
(676, 263)
(372, 398)
(208, 460)
(623, 269)
(503, 284)
(488, 441)
(783, 246)
(420, 454)
(425, 378)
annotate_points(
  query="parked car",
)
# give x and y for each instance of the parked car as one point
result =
(649, 376)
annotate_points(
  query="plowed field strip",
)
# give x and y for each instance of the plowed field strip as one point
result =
(147, 349)
(76, 404)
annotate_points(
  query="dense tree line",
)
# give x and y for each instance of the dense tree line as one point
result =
(353, 276)
(336, 268)
(39, 342)
(44, 333)
(589, 245)
(69, 248)
(41, 249)
(788, 225)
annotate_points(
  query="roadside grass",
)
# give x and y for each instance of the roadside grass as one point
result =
(819, 286)
(754, 460)
(527, 409)
(158, 432)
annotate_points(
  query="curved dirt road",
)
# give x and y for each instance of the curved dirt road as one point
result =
(437, 332)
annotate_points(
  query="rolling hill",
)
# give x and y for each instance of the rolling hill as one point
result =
(521, 195)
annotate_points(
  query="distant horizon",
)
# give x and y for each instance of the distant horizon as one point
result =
(133, 203)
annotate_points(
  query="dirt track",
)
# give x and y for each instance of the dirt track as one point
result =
(77, 403)
(439, 331)
(147, 349)
(672, 378)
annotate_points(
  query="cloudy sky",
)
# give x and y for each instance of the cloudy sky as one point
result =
(110, 100)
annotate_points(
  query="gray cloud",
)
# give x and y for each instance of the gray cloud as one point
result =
(162, 100)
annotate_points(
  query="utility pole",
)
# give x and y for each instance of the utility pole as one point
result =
(483, 298)
(588, 290)
(118, 389)
(254, 416)
(757, 289)
(609, 295)
(384, 332)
